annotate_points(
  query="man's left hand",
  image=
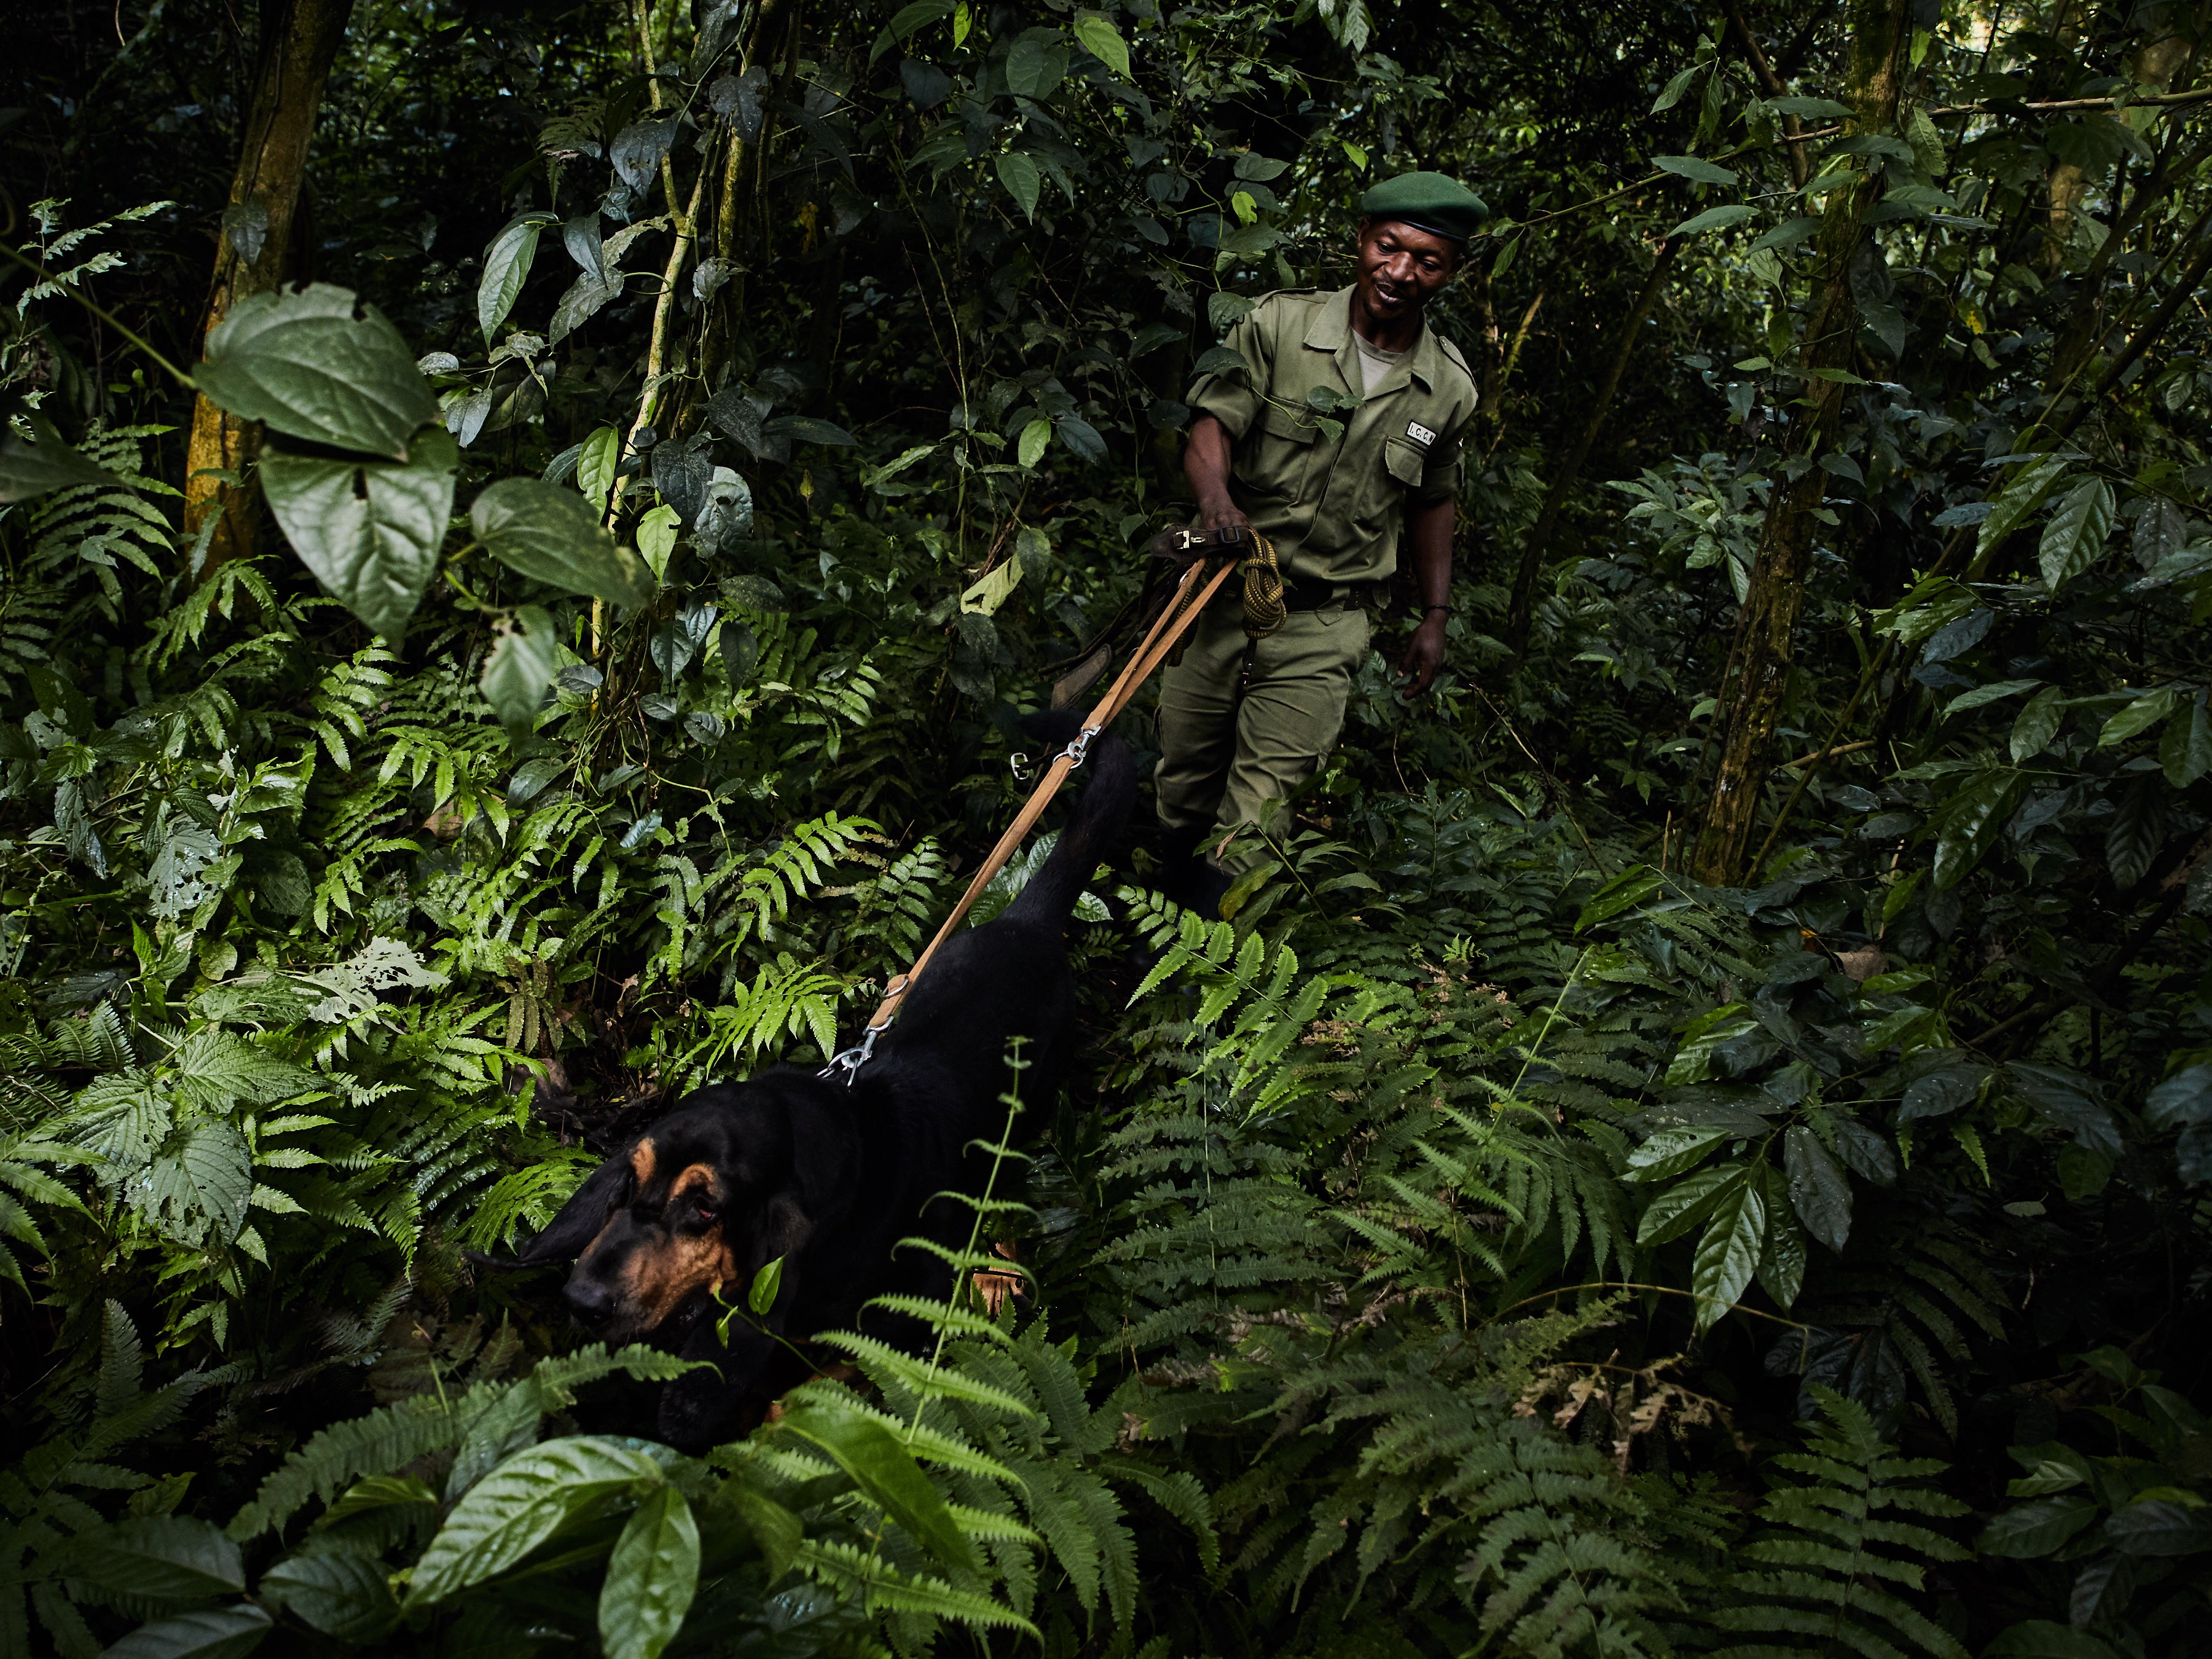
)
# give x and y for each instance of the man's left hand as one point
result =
(1424, 654)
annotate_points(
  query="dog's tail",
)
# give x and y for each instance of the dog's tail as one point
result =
(1100, 814)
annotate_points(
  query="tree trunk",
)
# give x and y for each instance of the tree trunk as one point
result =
(299, 42)
(1547, 517)
(1766, 626)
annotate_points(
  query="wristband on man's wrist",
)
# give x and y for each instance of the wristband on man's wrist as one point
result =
(1444, 608)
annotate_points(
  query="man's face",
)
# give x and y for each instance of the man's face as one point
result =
(1402, 268)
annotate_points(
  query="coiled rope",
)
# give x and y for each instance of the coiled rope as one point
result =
(1264, 608)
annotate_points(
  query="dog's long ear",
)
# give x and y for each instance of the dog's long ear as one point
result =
(780, 1230)
(581, 1218)
(824, 1160)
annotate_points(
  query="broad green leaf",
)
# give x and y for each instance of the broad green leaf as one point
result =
(1672, 1152)
(1728, 1255)
(376, 1492)
(652, 1577)
(33, 469)
(595, 467)
(2034, 481)
(1019, 173)
(1672, 93)
(304, 365)
(1079, 436)
(1938, 1092)
(875, 477)
(2137, 831)
(1811, 109)
(1034, 436)
(1926, 142)
(2183, 1098)
(639, 149)
(1038, 64)
(344, 1596)
(1624, 892)
(886, 1472)
(525, 657)
(1788, 233)
(583, 300)
(2143, 713)
(552, 534)
(1694, 169)
(228, 1632)
(1681, 1206)
(369, 530)
(1819, 1191)
(506, 267)
(2037, 723)
(2037, 1529)
(1984, 695)
(2186, 750)
(200, 1189)
(1103, 41)
(656, 538)
(1694, 1060)
(766, 1284)
(1713, 218)
(996, 588)
(2075, 534)
(169, 1558)
(520, 1504)
(1966, 826)
(916, 14)
(808, 430)
(1782, 1265)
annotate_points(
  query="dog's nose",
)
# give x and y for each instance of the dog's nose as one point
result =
(588, 1300)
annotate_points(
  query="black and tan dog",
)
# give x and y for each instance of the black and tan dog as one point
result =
(828, 1177)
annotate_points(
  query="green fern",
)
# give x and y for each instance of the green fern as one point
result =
(389, 1439)
(1835, 1562)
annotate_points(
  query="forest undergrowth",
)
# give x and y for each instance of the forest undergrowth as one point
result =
(1692, 1138)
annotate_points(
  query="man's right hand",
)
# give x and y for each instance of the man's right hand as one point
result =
(1205, 465)
(1221, 515)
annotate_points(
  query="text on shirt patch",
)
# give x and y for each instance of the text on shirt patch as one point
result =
(1420, 434)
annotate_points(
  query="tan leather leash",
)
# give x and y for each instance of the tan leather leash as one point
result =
(1166, 633)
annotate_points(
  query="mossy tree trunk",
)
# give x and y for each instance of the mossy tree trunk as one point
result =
(1751, 706)
(299, 42)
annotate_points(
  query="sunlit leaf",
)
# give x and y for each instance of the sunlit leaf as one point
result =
(552, 534)
(305, 365)
(369, 530)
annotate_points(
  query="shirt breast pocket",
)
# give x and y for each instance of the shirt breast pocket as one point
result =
(1406, 461)
(1282, 460)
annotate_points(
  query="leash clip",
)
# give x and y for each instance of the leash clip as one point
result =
(1018, 764)
(1190, 538)
(1079, 750)
(849, 1061)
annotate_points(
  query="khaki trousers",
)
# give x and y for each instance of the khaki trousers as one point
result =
(1222, 755)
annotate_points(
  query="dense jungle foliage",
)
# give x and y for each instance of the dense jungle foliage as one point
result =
(1690, 1139)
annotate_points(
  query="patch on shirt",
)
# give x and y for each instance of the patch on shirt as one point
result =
(1420, 434)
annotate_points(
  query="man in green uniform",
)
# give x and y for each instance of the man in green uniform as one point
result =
(1339, 435)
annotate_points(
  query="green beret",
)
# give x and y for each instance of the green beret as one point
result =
(1433, 202)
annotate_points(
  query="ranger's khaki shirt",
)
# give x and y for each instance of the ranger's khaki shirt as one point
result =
(1335, 507)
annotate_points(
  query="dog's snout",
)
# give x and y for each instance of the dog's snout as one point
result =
(587, 1299)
